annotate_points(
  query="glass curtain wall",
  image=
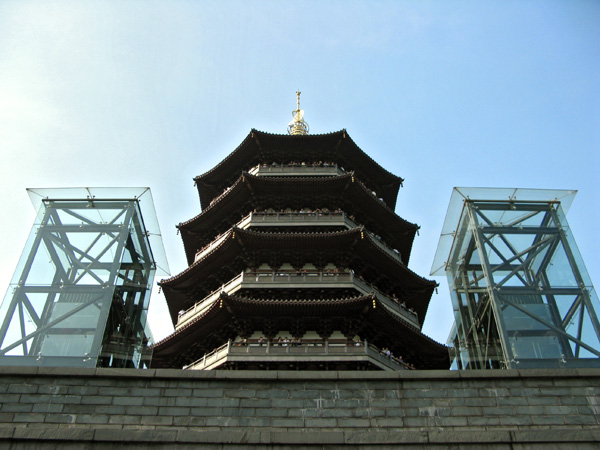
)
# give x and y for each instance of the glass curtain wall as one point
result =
(521, 295)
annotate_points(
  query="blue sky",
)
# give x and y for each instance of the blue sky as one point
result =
(443, 94)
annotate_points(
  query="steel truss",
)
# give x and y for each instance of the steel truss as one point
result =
(83, 288)
(519, 295)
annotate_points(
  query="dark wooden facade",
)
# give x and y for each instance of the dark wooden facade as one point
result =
(301, 274)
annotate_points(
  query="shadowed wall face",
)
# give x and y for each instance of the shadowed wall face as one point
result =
(423, 409)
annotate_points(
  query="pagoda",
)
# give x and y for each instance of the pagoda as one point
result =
(298, 262)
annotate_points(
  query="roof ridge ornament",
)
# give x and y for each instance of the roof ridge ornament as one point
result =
(298, 126)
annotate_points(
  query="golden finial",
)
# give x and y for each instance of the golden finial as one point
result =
(298, 125)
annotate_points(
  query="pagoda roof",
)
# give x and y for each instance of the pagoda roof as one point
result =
(260, 147)
(344, 191)
(222, 320)
(241, 249)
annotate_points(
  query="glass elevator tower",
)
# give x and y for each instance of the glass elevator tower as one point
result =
(81, 291)
(521, 295)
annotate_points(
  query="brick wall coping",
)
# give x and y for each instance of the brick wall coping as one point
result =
(298, 375)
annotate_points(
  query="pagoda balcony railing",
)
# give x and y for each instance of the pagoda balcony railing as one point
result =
(298, 218)
(298, 280)
(307, 351)
(302, 169)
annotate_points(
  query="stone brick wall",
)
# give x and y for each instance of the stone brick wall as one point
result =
(111, 408)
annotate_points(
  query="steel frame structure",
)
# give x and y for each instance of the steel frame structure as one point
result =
(81, 293)
(521, 295)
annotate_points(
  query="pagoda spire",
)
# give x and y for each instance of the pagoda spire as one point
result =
(298, 125)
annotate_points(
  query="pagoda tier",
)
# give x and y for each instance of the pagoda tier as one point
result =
(260, 148)
(343, 192)
(353, 249)
(363, 316)
(298, 238)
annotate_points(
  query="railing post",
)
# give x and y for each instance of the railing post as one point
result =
(268, 345)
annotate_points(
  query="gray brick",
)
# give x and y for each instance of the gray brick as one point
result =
(223, 402)
(287, 422)
(353, 422)
(60, 418)
(562, 410)
(384, 402)
(15, 398)
(488, 401)
(555, 391)
(320, 423)
(206, 411)
(254, 422)
(498, 411)
(222, 422)
(529, 410)
(387, 422)
(48, 407)
(22, 389)
(288, 403)
(524, 392)
(123, 419)
(6, 417)
(462, 393)
(336, 412)
(160, 401)
(395, 412)
(28, 417)
(573, 401)
(548, 420)
(418, 402)
(272, 393)
(188, 421)
(206, 393)
(190, 401)
(451, 421)
(53, 389)
(82, 390)
(145, 391)
(110, 409)
(177, 392)
(239, 412)
(92, 418)
(97, 400)
(128, 401)
(466, 411)
(241, 393)
(16, 407)
(580, 420)
(516, 420)
(493, 392)
(368, 412)
(483, 421)
(134, 435)
(585, 410)
(272, 412)
(142, 410)
(539, 401)
(255, 403)
(512, 401)
(157, 420)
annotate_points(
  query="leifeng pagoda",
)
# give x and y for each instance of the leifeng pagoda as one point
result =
(298, 262)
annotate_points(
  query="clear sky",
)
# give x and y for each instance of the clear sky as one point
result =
(441, 93)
